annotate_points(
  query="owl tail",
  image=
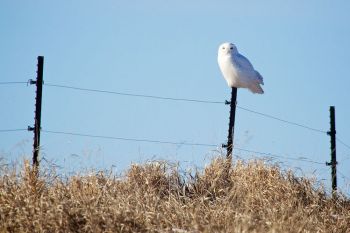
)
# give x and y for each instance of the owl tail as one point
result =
(256, 89)
(260, 78)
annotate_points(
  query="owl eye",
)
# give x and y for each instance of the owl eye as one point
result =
(231, 48)
(223, 47)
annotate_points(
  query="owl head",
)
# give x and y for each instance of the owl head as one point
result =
(227, 49)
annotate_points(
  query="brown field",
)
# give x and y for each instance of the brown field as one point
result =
(155, 197)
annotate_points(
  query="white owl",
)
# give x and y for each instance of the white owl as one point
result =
(237, 70)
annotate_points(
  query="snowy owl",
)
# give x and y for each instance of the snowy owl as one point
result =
(237, 70)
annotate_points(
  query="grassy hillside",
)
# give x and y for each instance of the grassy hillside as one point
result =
(250, 197)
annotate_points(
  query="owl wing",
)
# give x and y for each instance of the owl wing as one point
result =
(243, 62)
(247, 67)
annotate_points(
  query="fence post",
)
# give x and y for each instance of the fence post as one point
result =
(231, 127)
(333, 162)
(37, 119)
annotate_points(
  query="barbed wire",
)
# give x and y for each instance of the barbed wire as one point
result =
(179, 99)
(134, 95)
(129, 139)
(175, 99)
(282, 120)
(344, 176)
(273, 158)
(11, 130)
(342, 142)
(268, 154)
(345, 145)
(12, 82)
(303, 159)
(185, 100)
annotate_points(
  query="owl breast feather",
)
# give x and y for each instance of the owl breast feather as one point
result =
(230, 73)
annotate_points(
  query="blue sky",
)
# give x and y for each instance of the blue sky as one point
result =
(170, 49)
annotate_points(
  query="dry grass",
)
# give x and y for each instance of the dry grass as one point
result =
(154, 197)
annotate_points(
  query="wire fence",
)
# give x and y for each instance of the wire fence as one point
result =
(185, 100)
(266, 154)
(195, 101)
(167, 98)
(178, 99)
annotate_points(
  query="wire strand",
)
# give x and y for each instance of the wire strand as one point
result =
(343, 143)
(175, 143)
(135, 95)
(185, 100)
(281, 120)
(177, 99)
(344, 176)
(304, 159)
(130, 139)
(11, 82)
(12, 130)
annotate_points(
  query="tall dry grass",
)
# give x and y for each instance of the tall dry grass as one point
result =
(154, 197)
